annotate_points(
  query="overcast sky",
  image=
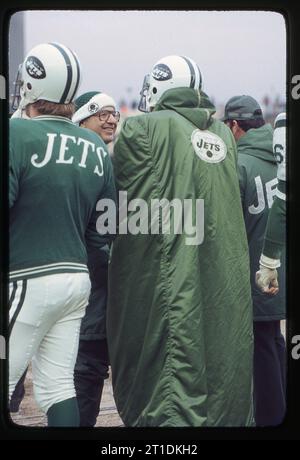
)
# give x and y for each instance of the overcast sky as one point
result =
(238, 52)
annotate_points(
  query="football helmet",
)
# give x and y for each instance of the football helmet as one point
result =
(50, 71)
(169, 72)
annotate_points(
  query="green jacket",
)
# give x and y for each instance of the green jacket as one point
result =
(275, 238)
(57, 174)
(258, 184)
(93, 324)
(180, 314)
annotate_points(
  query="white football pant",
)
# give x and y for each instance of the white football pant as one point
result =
(45, 316)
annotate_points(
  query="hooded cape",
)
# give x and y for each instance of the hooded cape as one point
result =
(179, 310)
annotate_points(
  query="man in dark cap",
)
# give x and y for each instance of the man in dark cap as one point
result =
(258, 184)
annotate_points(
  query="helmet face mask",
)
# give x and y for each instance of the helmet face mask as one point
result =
(169, 72)
(143, 104)
(18, 83)
(50, 72)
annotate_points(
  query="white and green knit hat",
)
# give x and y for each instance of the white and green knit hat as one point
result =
(90, 103)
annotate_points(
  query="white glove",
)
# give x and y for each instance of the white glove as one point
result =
(266, 277)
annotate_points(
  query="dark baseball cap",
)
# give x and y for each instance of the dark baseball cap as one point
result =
(242, 108)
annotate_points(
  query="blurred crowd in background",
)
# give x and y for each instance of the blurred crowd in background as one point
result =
(271, 106)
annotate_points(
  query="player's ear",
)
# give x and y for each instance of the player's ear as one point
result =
(235, 126)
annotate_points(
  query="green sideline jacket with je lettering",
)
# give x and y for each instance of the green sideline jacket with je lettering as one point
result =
(258, 184)
(57, 174)
(179, 308)
(275, 238)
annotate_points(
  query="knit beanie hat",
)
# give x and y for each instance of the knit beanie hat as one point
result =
(90, 103)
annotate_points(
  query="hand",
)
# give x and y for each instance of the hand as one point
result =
(266, 280)
(266, 277)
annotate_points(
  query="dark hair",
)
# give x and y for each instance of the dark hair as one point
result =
(245, 125)
(53, 108)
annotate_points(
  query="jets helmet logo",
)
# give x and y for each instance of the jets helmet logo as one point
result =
(161, 72)
(93, 107)
(35, 68)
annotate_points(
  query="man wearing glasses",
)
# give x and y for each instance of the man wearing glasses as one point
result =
(95, 111)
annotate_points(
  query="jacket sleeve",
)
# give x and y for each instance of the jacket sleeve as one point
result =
(275, 236)
(15, 166)
(13, 182)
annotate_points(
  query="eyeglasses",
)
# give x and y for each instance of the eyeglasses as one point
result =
(105, 114)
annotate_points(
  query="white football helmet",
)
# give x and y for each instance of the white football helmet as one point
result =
(169, 72)
(50, 71)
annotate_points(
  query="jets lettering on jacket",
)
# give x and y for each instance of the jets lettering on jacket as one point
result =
(265, 193)
(65, 142)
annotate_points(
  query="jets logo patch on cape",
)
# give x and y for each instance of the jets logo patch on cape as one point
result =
(208, 146)
(35, 68)
(161, 72)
